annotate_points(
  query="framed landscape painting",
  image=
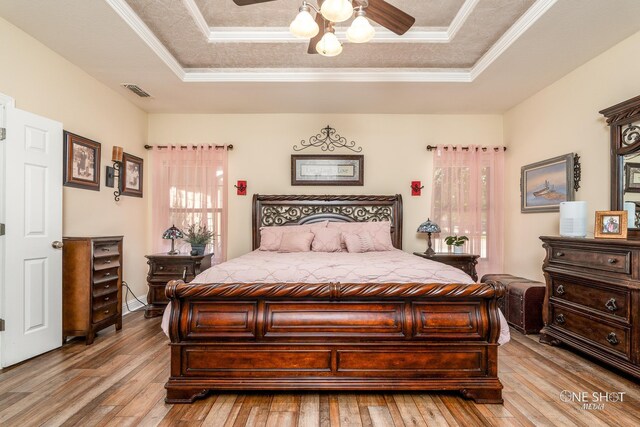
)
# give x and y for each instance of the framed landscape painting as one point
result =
(544, 185)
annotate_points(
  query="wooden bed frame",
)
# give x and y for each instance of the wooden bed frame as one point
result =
(333, 336)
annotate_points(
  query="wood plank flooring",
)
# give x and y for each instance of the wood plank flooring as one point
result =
(119, 381)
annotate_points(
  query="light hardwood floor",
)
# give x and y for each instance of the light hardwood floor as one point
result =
(119, 381)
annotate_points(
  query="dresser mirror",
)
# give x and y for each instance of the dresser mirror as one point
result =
(624, 123)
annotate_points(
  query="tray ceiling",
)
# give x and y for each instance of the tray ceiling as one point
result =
(209, 36)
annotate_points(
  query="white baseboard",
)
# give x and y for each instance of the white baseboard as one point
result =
(133, 304)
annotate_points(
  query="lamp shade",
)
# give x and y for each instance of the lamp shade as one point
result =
(329, 45)
(429, 227)
(172, 232)
(336, 10)
(361, 30)
(304, 26)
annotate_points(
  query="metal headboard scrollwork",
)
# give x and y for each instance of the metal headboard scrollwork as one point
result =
(283, 210)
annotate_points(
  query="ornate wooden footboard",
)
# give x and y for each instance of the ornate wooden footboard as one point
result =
(334, 336)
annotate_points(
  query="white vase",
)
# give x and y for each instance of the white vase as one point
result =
(458, 250)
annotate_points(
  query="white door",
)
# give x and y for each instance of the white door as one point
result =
(32, 277)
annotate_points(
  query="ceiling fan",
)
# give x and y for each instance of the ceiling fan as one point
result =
(320, 30)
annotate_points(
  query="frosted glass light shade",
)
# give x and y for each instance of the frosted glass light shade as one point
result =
(336, 10)
(329, 45)
(361, 30)
(304, 26)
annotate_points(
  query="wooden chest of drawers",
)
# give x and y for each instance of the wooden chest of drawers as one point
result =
(162, 269)
(92, 285)
(592, 299)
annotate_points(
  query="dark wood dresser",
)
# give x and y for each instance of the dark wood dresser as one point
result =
(91, 285)
(465, 262)
(162, 269)
(592, 300)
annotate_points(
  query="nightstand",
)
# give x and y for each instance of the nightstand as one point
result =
(162, 269)
(465, 262)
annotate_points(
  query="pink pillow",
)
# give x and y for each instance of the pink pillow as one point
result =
(359, 242)
(299, 241)
(380, 232)
(326, 240)
(271, 237)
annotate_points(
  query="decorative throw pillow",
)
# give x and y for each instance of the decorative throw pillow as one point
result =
(380, 232)
(326, 240)
(359, 242)
(271, 237)
(299, 241)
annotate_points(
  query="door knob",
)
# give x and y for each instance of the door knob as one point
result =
(56, 244)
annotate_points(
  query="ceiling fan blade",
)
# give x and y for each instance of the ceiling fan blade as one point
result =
(249, 2)
(389, 16)
(314, 41)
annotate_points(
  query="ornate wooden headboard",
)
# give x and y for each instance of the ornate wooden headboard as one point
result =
(283, 210)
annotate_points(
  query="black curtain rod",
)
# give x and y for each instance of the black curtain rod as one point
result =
(433, 147)
(195, 147)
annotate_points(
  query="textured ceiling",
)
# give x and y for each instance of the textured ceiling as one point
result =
(225, 13)
(174, 25)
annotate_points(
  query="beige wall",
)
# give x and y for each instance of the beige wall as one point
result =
(560, 119)
(394, 149)
(44, 83)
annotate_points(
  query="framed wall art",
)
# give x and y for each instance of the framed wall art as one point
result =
(544, 185)
(131, 175)
(632, 177)
(611, 225)
(81, 162)
(327, 169)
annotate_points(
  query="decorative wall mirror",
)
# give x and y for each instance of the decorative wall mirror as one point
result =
(624, 122)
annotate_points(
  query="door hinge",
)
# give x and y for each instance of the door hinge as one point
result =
(3, 134)
(1, 229)
(1, 325)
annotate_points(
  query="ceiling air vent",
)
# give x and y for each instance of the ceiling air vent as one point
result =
(137, 90)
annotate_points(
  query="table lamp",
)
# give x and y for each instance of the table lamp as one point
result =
(173, 233)
(429, 227)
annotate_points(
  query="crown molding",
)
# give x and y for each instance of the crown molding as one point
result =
(140, 28)
(535, 12)
(267, 75)
(282, 34)
(538, 9)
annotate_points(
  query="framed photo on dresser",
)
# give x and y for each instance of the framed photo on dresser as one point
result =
(611, 225)
(131, 175)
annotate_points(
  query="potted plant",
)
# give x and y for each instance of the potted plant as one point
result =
(456, 242)
(198, 236)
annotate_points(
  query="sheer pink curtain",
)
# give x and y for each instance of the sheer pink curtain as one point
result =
(468, 199)
(190, 187)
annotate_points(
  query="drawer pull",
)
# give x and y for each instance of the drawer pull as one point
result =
(612, 260)
(559, 254)
(107, 261)
(560, 319)
(106, 249)
(611, 304)
(106, 312)
(107, 286)
(107, 298)
(160, 267)
(107, 274)
(560, 290)
(613, 339)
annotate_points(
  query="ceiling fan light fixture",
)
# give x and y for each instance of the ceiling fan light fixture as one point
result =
(336, 10)
(304, 26)
(361, 30)
(329, 45)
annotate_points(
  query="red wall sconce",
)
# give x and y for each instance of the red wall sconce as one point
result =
(416, 188)
(241, 186)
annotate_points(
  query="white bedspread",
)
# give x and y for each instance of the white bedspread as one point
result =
(322, 267)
